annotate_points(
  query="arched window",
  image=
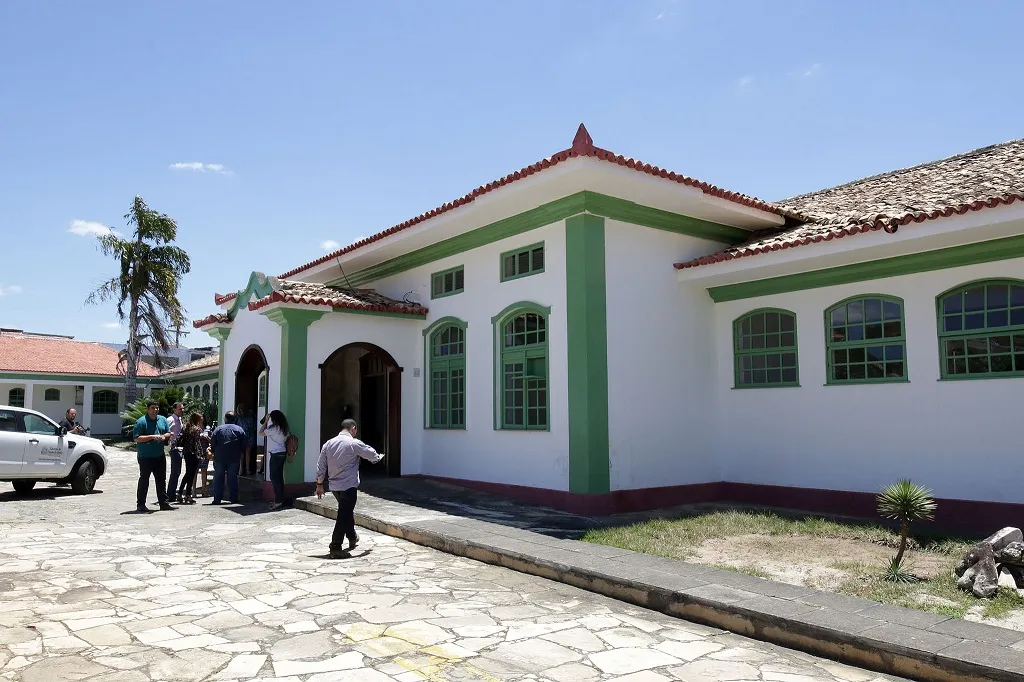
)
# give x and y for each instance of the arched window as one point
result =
(105, 402)
(206, 392)
(216, 393)
(522, 372)
(981, 330)
(51, 395)
(765, 351)
(446, 363)
(16, 397)
(865, 340)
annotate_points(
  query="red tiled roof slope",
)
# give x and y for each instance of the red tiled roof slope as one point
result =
(322, 295)
(983, 178)
(216, 318)
(24, 353)
(201, 363)
(582, 145)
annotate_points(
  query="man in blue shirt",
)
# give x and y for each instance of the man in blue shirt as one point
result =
(151, 432)
(229, 442)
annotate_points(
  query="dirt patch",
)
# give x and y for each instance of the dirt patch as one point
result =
(823, 563)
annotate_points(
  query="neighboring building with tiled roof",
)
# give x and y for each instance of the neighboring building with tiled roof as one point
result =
(27, 353)
(592, 332)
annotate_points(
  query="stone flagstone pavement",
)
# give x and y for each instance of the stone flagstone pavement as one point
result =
(91, 591)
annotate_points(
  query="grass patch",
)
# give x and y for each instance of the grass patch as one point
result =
(935, 591)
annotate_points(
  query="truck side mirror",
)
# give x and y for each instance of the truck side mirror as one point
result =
(62, 431)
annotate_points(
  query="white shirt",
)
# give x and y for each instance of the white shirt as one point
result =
(338, 464)
(275, 438)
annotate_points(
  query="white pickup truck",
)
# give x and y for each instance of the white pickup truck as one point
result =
(33, 448)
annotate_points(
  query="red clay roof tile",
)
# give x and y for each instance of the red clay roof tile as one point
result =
(25, 353)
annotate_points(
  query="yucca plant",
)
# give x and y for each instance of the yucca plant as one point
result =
(907, 503)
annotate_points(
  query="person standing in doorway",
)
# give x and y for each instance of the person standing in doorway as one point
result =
(337, 469)
(247, 422)
(228, 444)
(176, 425)
(151, 432)
(274, 428)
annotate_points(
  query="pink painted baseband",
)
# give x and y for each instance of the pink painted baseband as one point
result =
(973, 517)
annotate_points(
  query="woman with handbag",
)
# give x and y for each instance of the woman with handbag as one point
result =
(193, 446)
(274, 427)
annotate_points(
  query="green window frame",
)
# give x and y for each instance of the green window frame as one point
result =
(16, 397)
(522, 262)
(445, 361)
(522, 384)
(51, 395)
(447, 282)
(981, 330)
(865, 340)
(765, 349)
(105, 402)
(206, 393)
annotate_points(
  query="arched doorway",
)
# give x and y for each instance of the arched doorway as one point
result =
(362, 381)
(251, 385)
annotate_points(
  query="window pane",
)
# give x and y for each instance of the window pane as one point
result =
(1017, 316)
(857, 372)
(977, 364)
(789, 359)
(1001, 363)
(953, 304)
(857, 355)
(771, 341)
(974, 321)
(757, 324)
(998, 296)
(510, 266)
(954, 348)
(974, 299)
(977, 346)
(892, 310)
(894, 352)
(873, 310)
(893, 329)
(894, 370)
(789, 375)
(839, 357)
(1017, 295)
(873, 331)
(855, 333)
(954, 323)
(838, 334)
(788, 339)
(788, 323)
(839, 317)
(855, 312)
(771, 322)
(999, 318)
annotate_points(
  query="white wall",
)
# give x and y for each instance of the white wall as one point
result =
(250, 328)
(399, 338)
(534, 458)
(956, 437)
(101, 424)
(660, 361)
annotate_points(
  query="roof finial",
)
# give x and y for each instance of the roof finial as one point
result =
(582, 143)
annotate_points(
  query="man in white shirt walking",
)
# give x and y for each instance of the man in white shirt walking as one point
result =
(337, 469)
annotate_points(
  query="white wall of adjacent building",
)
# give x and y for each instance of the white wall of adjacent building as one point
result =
(479, 452)
(660, 361)
(956, 437)
(64, 396)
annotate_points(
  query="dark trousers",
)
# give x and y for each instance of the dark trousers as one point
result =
(225, 465)
(345, 525)
(157, 468)
(172, 480)
(277, 460)
(189, 481)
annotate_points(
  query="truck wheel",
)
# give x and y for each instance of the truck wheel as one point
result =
(23, 486)
(85, 479)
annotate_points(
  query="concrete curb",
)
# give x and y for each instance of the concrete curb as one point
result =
(888, 639)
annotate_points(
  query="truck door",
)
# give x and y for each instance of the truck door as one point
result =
(12, 443)
(45, 452)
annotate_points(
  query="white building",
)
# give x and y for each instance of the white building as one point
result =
(598, 334)
(52, 374)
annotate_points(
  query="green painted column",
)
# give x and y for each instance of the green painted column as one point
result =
(587, 342)
(221, 334)
(294, 337)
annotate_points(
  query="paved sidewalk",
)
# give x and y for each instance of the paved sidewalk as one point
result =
(91, 591)
(534, 540)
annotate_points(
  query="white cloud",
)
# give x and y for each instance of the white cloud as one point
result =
(814, 70)
(89, 228)
(200, 167)
(329, 245)
(111, 325)
(10, 289)
(746, 81)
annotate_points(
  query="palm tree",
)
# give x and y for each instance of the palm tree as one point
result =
(907, 503)
(147, 285)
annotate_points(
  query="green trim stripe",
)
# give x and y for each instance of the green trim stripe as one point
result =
(77, 378)
(940, 259)
(294, 340)
(548, 214)
(587, 349)
(258, 286)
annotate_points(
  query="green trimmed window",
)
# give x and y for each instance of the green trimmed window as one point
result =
(104, 402)
(447, 282)
(764, 343)
(51, 395)
(206, 392)
(522, 262)
(981, 330)
(447, 393)
(524, 372)
(865, 340)
(16, 397)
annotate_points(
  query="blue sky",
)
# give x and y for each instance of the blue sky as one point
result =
(304, 122)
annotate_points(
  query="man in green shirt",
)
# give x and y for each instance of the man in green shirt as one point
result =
(151, 432)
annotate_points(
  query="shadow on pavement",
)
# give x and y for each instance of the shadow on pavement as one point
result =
(52, 493)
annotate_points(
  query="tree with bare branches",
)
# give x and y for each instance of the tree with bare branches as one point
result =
(146, 288)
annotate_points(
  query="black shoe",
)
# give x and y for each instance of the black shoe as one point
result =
(166, 507)
(217, 502)
(340, 554)
(143, 510)
(234, 502)
(352, 542)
